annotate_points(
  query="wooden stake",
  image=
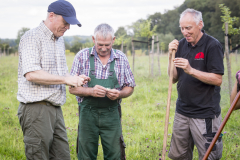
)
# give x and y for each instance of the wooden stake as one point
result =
(122, 46)
(235, 54)
(152, 54)
(159, 69)
(149, 66)
(168, 105)
(222, 126)
(228, 61)
(133, 54)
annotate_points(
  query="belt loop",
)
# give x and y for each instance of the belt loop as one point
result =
(90, 108)
(109, 108)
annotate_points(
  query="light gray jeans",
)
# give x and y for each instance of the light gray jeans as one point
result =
(44, 132)
(189, 131)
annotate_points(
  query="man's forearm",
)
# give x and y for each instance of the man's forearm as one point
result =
(205, 77)
(175, 79)
(81, 91)
(126, 92)
(233, 95)
(44, 78)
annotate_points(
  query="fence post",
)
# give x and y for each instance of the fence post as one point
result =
(122, 46)
(133, 54)
(227, 58)
(236, 53)
(159, 69)
(152, 68)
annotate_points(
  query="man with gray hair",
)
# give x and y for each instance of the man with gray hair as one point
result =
(198, 69)
(42, 76)
(99, 100)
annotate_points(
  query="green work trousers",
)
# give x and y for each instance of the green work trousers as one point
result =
(44, 132)
(96, 121)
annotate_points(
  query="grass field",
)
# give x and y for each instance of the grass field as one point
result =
(143, 113)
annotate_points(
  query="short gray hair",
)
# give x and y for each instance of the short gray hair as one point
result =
(197, 15)
(103, 30)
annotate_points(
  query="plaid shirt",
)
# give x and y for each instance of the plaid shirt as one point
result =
(39, 51)
(81, 65)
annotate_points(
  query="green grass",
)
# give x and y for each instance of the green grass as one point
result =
(143, 113)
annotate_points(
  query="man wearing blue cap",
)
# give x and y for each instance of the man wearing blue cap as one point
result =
(42, 76)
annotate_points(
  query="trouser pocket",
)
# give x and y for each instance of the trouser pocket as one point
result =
(122, 146)
(212, 126)
(216, 152)
(33, 148)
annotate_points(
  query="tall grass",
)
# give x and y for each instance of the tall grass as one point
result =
(143, 113)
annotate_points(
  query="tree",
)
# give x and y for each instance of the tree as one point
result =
(4, 47)
(120, 32)
(164, 40)
(228, 23)
(145, 29)
(121, 38)
(162, 46)
(226, 18)
(76, 44)
(20, 33)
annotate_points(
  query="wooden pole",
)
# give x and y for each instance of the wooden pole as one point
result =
(4, 51)
(126, 50)
(227, 58)
(158, 57)
(222, 126)
(168, 105)
(122, 46)
(152, 65)
(133, 54)
(149, 58)
(236, 54)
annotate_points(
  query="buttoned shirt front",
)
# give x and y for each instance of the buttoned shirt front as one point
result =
(81, 65)
(38, 50)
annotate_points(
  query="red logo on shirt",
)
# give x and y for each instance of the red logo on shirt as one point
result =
(199, 56)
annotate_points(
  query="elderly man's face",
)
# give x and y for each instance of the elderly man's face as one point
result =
(190, 30)
(103, 45)
(60, 26)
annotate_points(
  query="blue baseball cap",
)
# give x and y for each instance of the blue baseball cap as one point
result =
(66, 10)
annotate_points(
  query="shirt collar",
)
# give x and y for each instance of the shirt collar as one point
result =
(201, 41)
(113, 55)
(46, 31)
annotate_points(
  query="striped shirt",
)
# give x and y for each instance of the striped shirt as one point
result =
(81, 65)
(39, 51)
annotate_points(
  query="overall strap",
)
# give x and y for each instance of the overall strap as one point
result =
(92, 66)
(111, 69)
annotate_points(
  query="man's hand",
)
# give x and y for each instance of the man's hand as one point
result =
(113, 94)
(184, 64)
(86, 78)
(74, 81)
(98, 91)
(238, 80)
(173, 46)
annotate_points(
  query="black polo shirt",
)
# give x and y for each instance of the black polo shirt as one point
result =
(195, 98)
